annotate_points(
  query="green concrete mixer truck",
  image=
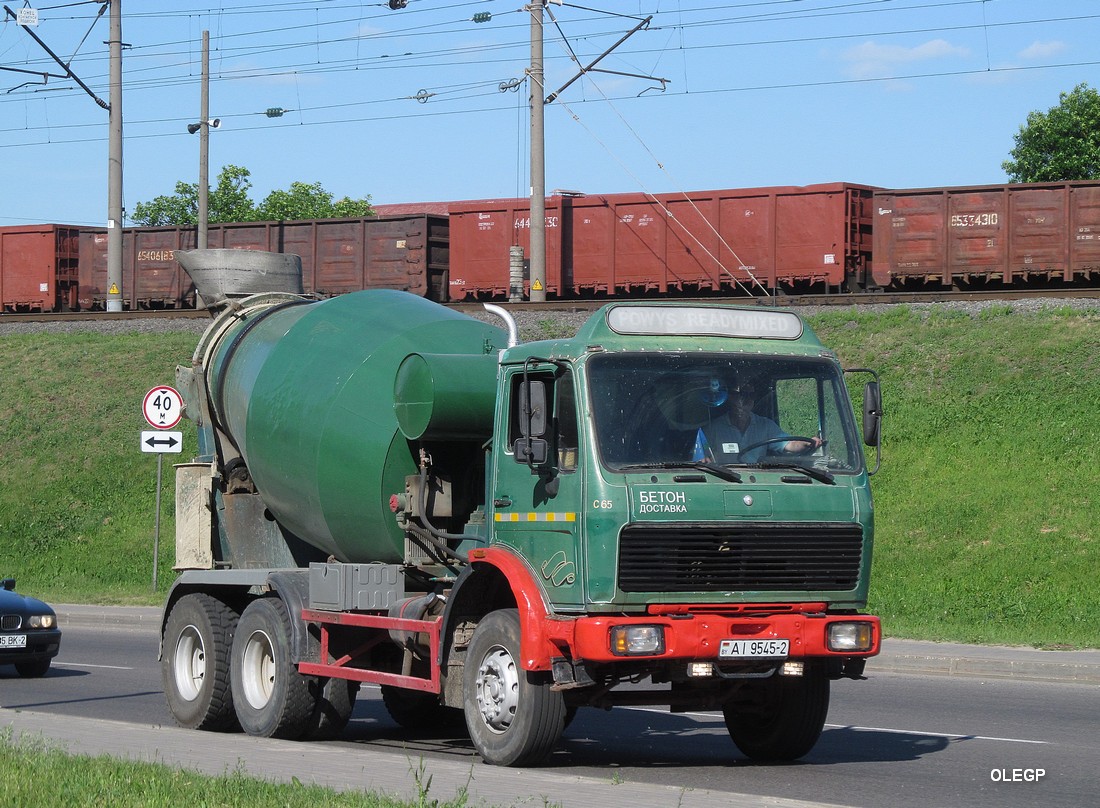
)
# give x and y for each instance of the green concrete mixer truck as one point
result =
(670, 508)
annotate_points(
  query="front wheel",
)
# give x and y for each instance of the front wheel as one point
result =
(271, 698)
(33, 670)
(513, 716)
(784, 718)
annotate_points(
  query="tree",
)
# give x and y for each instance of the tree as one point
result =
(1060, 144)
(228, 201)
(310, 201)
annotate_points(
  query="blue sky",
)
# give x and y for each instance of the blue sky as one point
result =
(406, 106)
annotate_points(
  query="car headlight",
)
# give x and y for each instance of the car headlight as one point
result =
(851, 636)
(637, 640)
(42, 621)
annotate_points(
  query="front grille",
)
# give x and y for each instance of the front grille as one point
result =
(741, 557)
(10, 622)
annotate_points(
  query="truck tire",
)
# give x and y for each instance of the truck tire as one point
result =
(333, 704)
(787, 720)
(271, 698)
(195, 663)
(33, 670)
(513, 716)
(418, 710)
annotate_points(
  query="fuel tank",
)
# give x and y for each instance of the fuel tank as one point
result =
(305, 391)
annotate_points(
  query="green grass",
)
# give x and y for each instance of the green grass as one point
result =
(986, 505)
(40, 775)
(77, 495)
(987, 501)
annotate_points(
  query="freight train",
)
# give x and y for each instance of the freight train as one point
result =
(834, 237)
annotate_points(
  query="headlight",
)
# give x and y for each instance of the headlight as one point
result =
(851, 636)
(41, 621)
(637, 640)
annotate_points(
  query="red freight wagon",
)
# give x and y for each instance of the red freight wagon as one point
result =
(338, 255)
(151, 278)
(741, 239)
(406, 252)
(38, 267)
(482, 234)
(1001, 233)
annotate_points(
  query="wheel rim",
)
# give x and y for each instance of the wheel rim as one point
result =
(189, 663)
(258, 669)
(497, 689)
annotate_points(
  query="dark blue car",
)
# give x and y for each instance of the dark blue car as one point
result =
(29, 636)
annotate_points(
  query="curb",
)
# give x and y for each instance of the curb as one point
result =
(134, 617)
(898, 656)
(987, 662)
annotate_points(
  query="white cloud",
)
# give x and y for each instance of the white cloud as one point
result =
(872, 60)
(1042, 50)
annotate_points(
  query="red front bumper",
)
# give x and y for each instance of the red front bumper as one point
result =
(697, 635)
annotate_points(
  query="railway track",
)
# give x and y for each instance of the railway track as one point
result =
(782, 300)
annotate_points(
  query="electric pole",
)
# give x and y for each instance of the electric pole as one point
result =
(114, 163)
(204, 145)
(538, 159)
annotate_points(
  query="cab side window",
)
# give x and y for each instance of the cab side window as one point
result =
(565, 422)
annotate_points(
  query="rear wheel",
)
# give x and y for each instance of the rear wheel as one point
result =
(785, 719)
(513, 716)
(195, 663)
(332, 708)
(271, 698)
(418, 710)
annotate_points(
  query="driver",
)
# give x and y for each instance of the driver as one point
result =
(725, 438)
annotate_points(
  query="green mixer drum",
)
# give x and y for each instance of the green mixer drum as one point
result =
(305, 390)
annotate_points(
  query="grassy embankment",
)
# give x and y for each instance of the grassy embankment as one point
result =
(986, 504)
(41, 775)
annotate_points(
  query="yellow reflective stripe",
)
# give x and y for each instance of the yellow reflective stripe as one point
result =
(534, 516)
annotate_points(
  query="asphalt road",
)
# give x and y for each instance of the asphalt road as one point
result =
(898, 739)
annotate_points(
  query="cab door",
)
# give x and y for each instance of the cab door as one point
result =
(537, 490)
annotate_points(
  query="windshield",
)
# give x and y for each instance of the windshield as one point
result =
(651, 410)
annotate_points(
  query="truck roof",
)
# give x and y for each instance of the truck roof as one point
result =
(686, 326)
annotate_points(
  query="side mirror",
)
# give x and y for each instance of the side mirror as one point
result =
(532, 451)
(8, 584)
(872, 414)
(532, 448)
(532, 409)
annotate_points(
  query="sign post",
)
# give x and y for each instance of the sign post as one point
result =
(163, 409)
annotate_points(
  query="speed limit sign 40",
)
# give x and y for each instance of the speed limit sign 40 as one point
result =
(163, 407)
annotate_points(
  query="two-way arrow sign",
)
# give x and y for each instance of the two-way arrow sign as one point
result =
(162, 441)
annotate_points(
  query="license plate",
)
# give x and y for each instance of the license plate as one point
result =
(13, 640)
(754, 649)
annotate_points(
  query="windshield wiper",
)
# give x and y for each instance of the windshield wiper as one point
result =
(711, 468)
(817, 474)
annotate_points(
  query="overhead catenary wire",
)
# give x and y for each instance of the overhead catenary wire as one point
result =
(157, 52)
(409, 59)
(664, 208)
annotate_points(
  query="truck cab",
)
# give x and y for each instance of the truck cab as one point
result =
(726, 566)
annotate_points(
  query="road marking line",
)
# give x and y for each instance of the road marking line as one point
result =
(82, 665)
(938, 734)
(950, 735)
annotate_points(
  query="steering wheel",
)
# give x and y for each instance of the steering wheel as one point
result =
(803, 438)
